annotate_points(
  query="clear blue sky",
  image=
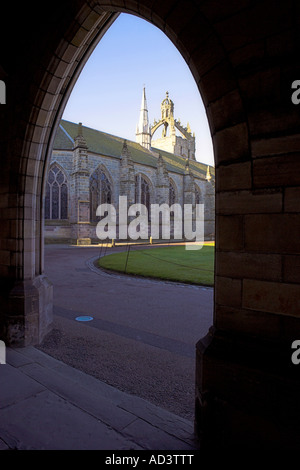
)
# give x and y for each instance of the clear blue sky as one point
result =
(132, 54)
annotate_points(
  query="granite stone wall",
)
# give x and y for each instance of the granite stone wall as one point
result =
(121, 175)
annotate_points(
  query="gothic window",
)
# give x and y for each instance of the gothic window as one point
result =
(142, 191)
(172, 193)
(56, 199)
(197, 196)
(100, 192)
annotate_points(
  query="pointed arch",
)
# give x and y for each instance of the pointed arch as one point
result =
(100, 187)
(57, 194)
(173, 193)
(198, 195)
(143, 190)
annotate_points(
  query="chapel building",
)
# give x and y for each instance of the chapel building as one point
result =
(89, 167)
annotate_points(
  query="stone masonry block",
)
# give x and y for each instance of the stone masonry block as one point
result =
(208, 81)
(231, 143)
(217, 11)
(275, 146)
(235, 176)
(251, 24)
(291, 268)
(246, 265)
(227, 111)
(159, 11)
(163, 9)
(79, 37)
(5, 257)
(279, 45)
(244, 55)
(292, 199)
(207, 54)
(272, 120)
(277, 233)
(229, 291)
(273, 297)
(248, 321)
(190, 35)
(262, 86)
(248, 202)
(180, 17)
(277, 171)
(229, 234)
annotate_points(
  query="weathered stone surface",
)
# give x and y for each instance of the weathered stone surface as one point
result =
(230, 232)
(248, 202)
(272, 297)
(232, 143)
(277, 233)
(236, 176)
(249, 265)
(229, 291)
(292, 199)
(291, 268)
(277, 171)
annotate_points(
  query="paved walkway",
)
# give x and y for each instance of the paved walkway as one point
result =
(138, 347)
(47, 405)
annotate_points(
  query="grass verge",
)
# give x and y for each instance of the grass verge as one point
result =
(173, 263)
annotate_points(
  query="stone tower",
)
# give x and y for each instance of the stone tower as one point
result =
(183, 145)
(143, 135)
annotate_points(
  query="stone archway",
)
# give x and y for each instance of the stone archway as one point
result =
(242, 58)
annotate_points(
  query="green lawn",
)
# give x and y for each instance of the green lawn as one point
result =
(172, 263)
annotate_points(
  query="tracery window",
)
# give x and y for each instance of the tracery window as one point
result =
(197, 196)
(142, 191)
(56, 199)
(100, 192)
(172, 193)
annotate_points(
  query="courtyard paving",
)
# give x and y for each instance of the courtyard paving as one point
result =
(124, 380)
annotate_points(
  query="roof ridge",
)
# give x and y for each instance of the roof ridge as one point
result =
(176, 161)
(95, 130)
(67, 134)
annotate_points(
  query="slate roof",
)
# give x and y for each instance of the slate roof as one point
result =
(110, 145)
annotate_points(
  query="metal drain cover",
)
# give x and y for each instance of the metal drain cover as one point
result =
(84, 318)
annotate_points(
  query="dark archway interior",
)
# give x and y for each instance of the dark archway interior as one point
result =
(243, 58)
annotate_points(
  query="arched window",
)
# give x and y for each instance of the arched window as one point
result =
(172, 193)
(142, 191)
(198, 199)
(56, 200)
(100, 192)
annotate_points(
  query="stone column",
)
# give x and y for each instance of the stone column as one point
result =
(26, 295)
